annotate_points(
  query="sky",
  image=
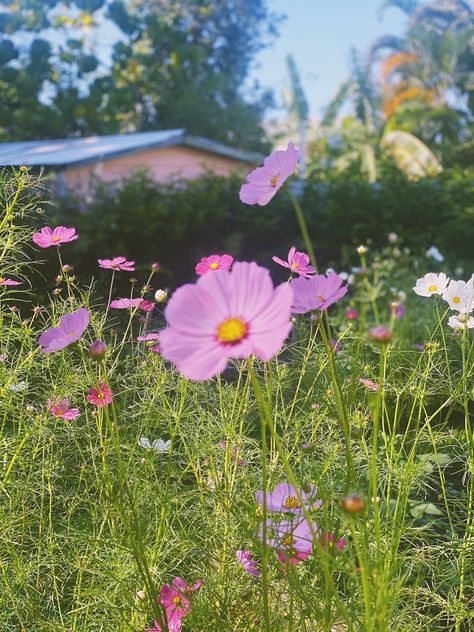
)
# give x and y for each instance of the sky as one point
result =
(320, 34)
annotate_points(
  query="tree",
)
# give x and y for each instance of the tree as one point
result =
(176, 64)
(45, 59)
(186, 64)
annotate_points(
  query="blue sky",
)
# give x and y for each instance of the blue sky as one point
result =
(320, 34)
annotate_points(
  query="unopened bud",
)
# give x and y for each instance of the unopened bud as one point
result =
(361, 250)
(161, 296)
(353, 504)
(97, 350)
(155, 267)
(381, 334)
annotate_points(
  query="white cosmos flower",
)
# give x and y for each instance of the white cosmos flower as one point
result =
(392, 237)
(431, 283)
(460, 296)
(20, 386)
(434, 253)
(459, 321)
(160, 446)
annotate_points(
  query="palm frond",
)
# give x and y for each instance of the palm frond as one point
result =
(411, 155)
(337, 102)
(390, 42)
(407, 6)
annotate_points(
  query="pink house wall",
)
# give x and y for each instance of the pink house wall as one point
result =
(164, 164)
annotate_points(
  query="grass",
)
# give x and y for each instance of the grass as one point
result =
(88, 517)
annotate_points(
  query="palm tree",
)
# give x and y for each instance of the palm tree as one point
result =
(429, 64)
(364, 137)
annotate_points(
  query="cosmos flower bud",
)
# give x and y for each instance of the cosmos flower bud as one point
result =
(155, 266)
(161, 296)
(66, 268)
(351, 314)
(353, 504)
(381, 334)
(97, 350)
(361, 250)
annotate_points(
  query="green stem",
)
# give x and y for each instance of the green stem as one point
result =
(303, 228)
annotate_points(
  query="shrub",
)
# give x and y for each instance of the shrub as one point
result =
(179, 223)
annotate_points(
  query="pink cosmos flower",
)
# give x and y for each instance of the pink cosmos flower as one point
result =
(9, 282)
(337, 546)
(225, 315)
(263, 183)
(152, 341)
(54, 236)
(290, 536)
(284, 498)
(214, 262)
(397, 309)
(351, 314)
(298, 262)
(100, 396)
(117, 263)
(152, 336)
(60, 408)
(146, 306)
(335, 345)
(175, 598)
(293, 557)
(244, 558)
(71, 327)
(125, 303)
(369, 384)
(316, 293)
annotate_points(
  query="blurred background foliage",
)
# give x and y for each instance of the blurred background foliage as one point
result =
(393, 152)
(178, 224)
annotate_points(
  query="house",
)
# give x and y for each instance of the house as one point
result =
(167, 154)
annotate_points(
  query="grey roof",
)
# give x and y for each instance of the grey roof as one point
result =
(78, 151)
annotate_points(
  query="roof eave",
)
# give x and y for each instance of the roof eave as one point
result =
(176, 139)
(214, 147)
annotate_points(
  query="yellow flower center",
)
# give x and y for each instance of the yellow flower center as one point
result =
(231, 330)
(214, 266)
(60, 411)
(321, 298)
(72, 332)
(456, 300)
(433, 288)
(56, 238)
(274, 180)
(2, 279)
(295, 265)
(177, 601)
(291, 503)
(288, 540)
